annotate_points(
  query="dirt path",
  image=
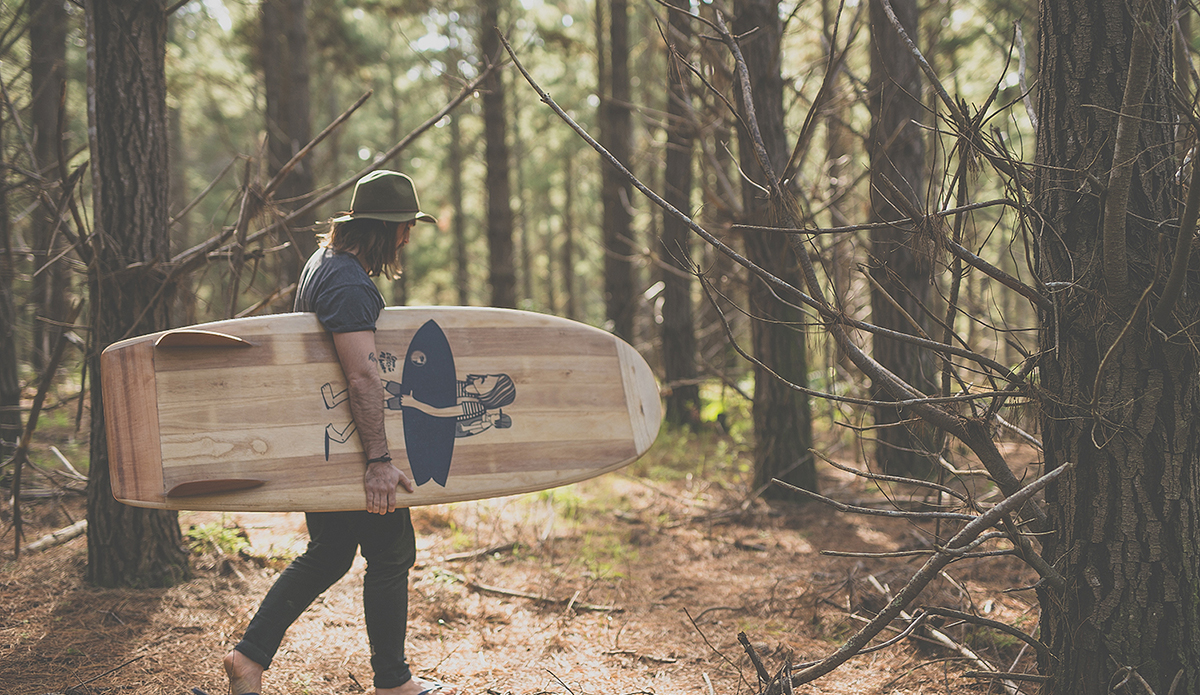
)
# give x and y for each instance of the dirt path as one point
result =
(645, 589)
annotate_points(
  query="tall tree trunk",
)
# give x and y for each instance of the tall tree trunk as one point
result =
(458, 221)
(1128, 518)
(901, 271)
(127, 116)
(782, 422)
(455, 159)
(837, 156)
(520, 221)
(289, 117)
(47, 71)
(616, 192)
(570, 302)
(1123, 404)
(501, 273)
(678, 326)
(10, 384)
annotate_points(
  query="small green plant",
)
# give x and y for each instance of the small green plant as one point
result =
(217, 538)
(603, 555)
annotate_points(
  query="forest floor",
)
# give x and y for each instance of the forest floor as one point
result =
(635, 582)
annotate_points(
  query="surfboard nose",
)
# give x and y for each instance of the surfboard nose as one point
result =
(641, 396)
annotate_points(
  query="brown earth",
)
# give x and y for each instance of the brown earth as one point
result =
(632, 583)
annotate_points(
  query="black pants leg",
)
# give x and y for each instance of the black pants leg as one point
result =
(389, 546)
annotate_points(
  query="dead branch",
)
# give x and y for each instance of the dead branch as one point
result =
(1116, 195)
(870, 511)
(926, 574)
(482, 552)
(57, 538)
(895, 478)
(379, 161)
(203, 194)
(570, 603)
(22, 453)
(1042, 650)
(941, 638)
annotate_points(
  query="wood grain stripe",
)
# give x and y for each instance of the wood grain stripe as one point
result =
(131, 422)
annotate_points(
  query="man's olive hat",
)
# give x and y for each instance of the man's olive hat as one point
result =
(385, 195)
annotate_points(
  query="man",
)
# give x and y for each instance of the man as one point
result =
(336, 285)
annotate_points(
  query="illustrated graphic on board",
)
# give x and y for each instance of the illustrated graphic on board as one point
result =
(436, 406)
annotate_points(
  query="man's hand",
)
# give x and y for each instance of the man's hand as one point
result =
(380, 483)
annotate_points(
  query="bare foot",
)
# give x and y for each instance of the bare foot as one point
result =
(245, 674)
(416, 686)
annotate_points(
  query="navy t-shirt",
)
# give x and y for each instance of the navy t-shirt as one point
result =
(335, 287)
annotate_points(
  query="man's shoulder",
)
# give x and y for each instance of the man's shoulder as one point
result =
(333, 276)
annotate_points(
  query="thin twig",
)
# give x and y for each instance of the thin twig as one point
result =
(1042, 650)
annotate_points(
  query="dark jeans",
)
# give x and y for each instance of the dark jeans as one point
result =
(389, 546)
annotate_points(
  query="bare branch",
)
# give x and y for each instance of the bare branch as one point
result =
(923, 576)
(868, 511)
(1116, 195)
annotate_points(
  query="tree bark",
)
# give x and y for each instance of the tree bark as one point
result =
(47, 71)
(289, 116)
(1121, 395)
(127, 546)
(782, 421)
(501, 272)
(678, 325)
(900, 268)
(10, 384)
(617, 192)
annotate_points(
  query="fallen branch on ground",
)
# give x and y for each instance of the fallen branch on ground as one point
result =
(57, 538)
(568, 602)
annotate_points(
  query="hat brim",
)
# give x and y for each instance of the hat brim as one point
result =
(387, 217)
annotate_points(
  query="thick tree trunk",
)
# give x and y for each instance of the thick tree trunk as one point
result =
(289, 120)
(678, 326)
(501, 273)
(1121, 399)
(127, 546)
(47, 71)
(901, 270)
(616, 193)
(782, 422)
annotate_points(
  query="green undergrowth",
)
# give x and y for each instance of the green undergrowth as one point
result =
(218, 538)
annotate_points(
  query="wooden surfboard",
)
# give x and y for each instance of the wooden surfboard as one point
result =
(252, 414)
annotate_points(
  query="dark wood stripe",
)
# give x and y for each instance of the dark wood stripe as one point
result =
(131, 422)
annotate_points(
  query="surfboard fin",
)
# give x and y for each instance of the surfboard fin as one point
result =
(188, 337)
(214, 487)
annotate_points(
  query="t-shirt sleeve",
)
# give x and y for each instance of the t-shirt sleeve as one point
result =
(349, 308)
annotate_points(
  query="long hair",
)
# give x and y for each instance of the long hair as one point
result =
(373, 241)
(502, 393)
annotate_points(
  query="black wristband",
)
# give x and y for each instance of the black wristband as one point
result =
(386, 458)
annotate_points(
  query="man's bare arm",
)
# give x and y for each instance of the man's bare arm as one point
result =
(357, 355)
